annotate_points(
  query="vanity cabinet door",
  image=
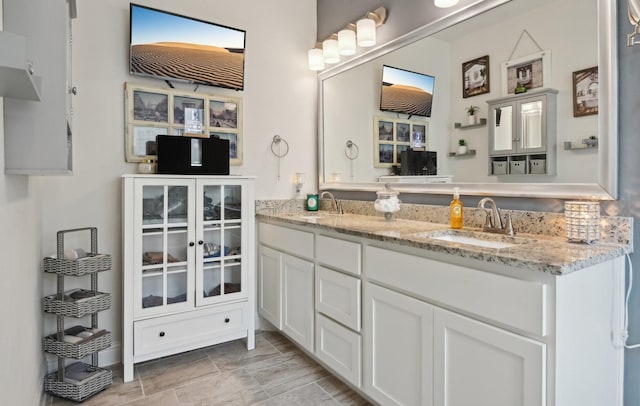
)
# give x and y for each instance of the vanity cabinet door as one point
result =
(269, 285)
(297, 300)
(398, 348)
(481, 365)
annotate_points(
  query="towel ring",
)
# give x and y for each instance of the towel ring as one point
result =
(276, 141)
(351, 150)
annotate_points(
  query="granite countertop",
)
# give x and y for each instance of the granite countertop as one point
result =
(536, 252)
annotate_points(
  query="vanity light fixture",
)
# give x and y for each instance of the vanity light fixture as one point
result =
(347, 42)
(362, 32)
(330, 51)
(445, 3)
(582, 221)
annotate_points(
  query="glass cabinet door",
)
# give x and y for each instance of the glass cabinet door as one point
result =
(219, 269)
(502, 129)
(532, 125)
(163, 281)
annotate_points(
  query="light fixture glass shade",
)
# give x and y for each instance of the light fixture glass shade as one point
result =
(347, 42)
(445, 3)
(316, 61)
(582, 221)
(330, 51)
(366, 32)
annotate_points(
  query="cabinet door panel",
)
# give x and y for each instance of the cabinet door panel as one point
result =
(338, 296)
(481, 365)
(163, 257)
(297, 300)
(398, 348)
(269, 283)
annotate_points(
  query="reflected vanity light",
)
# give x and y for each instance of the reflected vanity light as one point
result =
(445, 3)
(582, 221)
(362, 32)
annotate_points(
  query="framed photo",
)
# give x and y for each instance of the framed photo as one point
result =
(385, 130)
(392, 136)
(403, 132)
(235, 145)
(153, 111)
(180, 104)
(223, 114)
(150, 106)
(585, 92)
(531, 71)
(475, 77)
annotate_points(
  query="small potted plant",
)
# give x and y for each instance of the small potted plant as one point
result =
(462, 146)
(471, 114)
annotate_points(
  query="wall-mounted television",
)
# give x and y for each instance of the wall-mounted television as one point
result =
(406, 92)
(171, 47)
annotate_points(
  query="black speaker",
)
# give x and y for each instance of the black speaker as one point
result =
(192, 155)
(418, 163)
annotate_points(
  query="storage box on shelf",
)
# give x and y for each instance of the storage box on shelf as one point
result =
(79, 380)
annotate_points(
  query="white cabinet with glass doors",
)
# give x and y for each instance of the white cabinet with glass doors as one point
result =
(188, 252)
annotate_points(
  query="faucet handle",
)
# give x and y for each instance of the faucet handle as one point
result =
(488, 221)
(508, 226)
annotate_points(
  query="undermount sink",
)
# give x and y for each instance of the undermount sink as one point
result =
(478, 239)
(315, 216)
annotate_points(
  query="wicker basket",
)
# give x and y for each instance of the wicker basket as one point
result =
(88, 346)
(79, 391)
(78, 267)
(98, 302)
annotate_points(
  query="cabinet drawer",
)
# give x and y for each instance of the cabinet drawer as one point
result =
(514, 302)
(299, 243)
(340, 348)
(182, 331)
(338, 296)
(340, 254)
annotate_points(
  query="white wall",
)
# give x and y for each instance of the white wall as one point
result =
(21, 356)
(279, 98)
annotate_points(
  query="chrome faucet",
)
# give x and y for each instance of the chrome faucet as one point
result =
(493, 222)
(334, 201)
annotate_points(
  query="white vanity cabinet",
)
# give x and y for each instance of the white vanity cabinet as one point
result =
(188, 253)
(411, 326)
(501, 336)
(285, 281)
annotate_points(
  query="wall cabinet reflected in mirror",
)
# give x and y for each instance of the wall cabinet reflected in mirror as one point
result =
(522, 133)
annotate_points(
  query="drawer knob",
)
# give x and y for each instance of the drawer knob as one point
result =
(200, 242)
(191, 243)
(161, 334)
(226, 320)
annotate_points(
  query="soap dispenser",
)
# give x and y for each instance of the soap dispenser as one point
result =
(456, 215)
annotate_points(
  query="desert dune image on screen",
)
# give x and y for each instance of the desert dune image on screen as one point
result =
(406, 92)
(169, 47)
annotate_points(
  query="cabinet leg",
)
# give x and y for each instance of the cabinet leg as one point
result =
(128, 372)
(251, 340)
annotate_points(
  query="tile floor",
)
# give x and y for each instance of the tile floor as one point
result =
(275, 373)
